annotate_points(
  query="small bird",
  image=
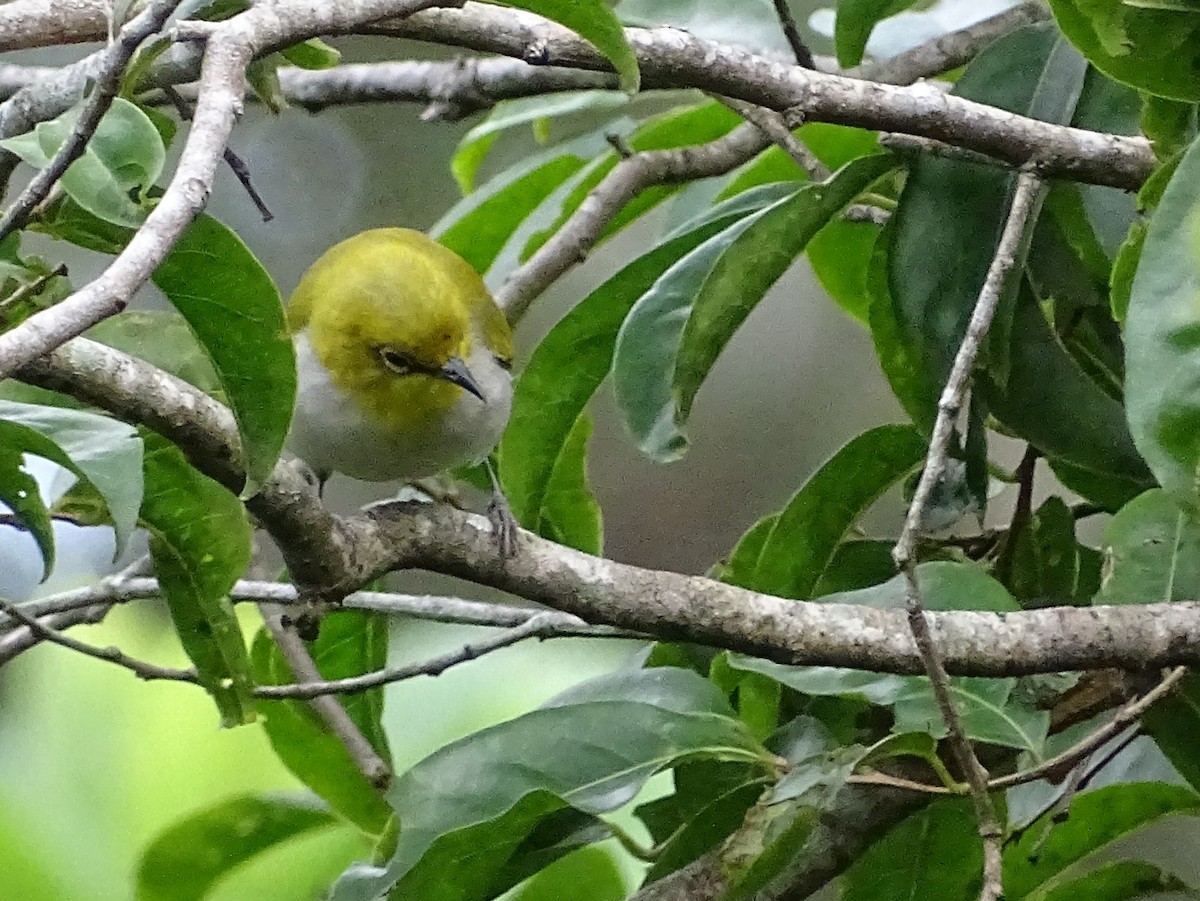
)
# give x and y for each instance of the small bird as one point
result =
(404, 364)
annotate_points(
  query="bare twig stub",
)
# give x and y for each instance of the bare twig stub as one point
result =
(1026, 202)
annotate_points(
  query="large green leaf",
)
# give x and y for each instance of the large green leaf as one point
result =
(987, 707)
(960, 208)
(840, 255)
(1046, 557)
(233, 306)
(1152, 549)
(935, 853)
(1038, 859)
(1173, 723)
(675, 331)
(1162, 334)
(804, 538)
(466, 810)
(200, 545)
(740, 274)
(107, 454)
(594, 21)
(574, 358)
(855, 21)
(589, 874)
(124, 156)
(351, 642)
(185, 861)
(19, 490)
(570, 513)
(1150, 49)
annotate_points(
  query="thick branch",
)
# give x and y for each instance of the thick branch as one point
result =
(337, 555)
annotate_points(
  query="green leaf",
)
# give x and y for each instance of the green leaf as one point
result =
(466, 809)
(1173, 723)
(856, 564)
(19, 492)
(163, 339)
(1037, 860)
(1152, 553)
(107, 454)
(234, 308)
(840, 255)
(855, 21)
(1169, 124)
(350, 643)
(570, 513)
(1124, 269)
(200, 545)
(479, 225)
(589, 874)
(743, 559)
(677, 328)
(827, 681)
(1161, 335)
(960, 208)
(573, 359)
(807, 533)
(472, 150)
(1119, 880)
(711, 825)
(126, 154)
(1046, 559)
(312, 54)
(989, 711)
(596, 23)
(740, 272)
(185, 861)
(1150, 49)
(934, 853)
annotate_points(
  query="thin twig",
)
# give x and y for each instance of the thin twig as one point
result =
(571, 244)
(328, 708)
(148, 671)
(1025, 204)
(29, 289)
(803, 55)
(775, 126)
(1021, 515)
(541, 625)
(107, 83)
(917, 146)
(232, 160)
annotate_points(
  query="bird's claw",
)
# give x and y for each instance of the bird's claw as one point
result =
(504, 526)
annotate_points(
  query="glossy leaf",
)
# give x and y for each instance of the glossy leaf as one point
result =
(570, 513)
(861, 563)
(819, 515)
(200, 545)
(185, 861)
(1152, 552)
(350, 643)
(124, 155)
(855, 21)
(675, 332)
(934, 853)
(710, 826)
(589, 874)
(163, 339)
(312, 54)
(466, 810)
(840, 255)
(1161, 337)
(596, 23)
(1150, 49)
(104, 452)
(575, 357)
(1096, 819)
(740, 274)
(234, 308)
(19, 492)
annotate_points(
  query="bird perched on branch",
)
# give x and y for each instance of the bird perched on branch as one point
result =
(403, 361)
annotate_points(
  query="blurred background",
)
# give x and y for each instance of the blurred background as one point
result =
(94, 763)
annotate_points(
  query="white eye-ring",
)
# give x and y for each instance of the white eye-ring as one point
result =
(395, 361)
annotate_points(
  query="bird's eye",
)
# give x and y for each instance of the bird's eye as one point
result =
(504, 364)
(395, 361)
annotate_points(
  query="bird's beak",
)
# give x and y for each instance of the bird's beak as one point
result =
(456, 372)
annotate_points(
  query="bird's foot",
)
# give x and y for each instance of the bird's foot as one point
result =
(504, 525)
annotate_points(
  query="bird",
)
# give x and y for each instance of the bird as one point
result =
(404, 365)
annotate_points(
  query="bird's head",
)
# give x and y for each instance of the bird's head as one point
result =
(394, 317)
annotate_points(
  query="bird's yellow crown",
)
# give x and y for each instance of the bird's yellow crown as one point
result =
(391, 300)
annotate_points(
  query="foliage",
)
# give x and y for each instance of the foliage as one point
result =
(1091, 365)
